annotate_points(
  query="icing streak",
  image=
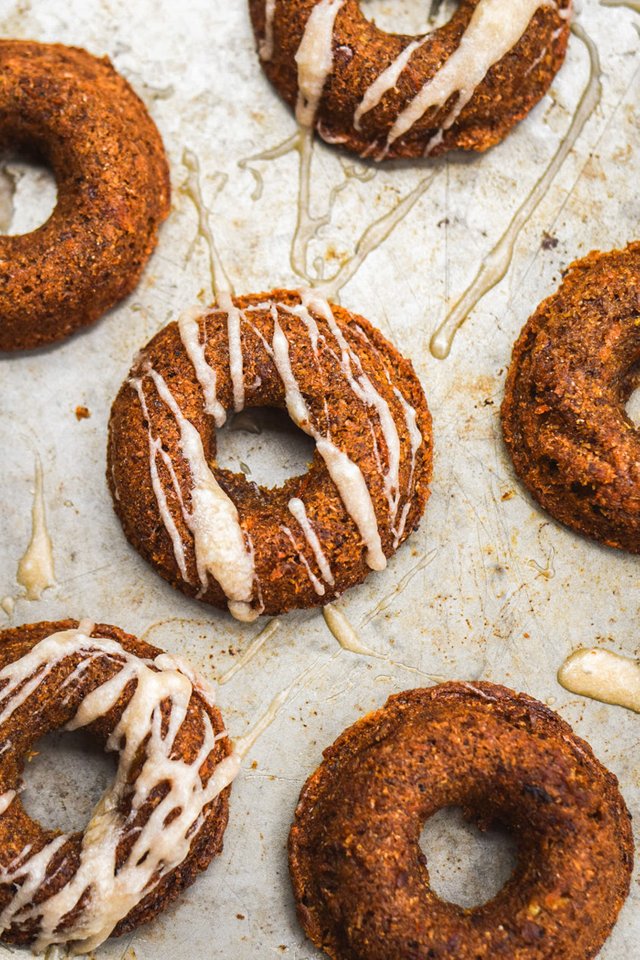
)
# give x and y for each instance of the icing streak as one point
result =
(266, 44)
(219, 542)
(346, 474)
(149, 728)
(314, 59)
(386, 81)
(495, 28)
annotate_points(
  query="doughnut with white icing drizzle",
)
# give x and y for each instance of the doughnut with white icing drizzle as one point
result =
(461, 86)
(216, 535)
(161, 820)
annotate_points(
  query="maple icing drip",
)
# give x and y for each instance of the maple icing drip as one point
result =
(108, 890)
(266, 44)
(314, 59)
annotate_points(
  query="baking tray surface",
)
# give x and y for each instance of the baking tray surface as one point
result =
(488, 588)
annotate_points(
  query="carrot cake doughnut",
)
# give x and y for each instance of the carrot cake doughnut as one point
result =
(159, 823)
(574, 367)
(214, 534)
(82, 119)
(383, 95)
(361, 881)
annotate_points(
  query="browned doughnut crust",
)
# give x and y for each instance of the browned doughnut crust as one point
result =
(512, 87)
(574, 367)
(360, 879)
(282, 581)
(47, 710)
(84, 120)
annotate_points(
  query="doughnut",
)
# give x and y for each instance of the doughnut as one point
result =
(159, 823)
(574, 367)
(382, 95)
(361, 882)
(84, 121)
(218, 536)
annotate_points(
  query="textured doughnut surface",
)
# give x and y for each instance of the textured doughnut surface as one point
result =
(574, 367)
(361, 881)
(465, 85)
(159, 824)
(215, 534)
(81, 118)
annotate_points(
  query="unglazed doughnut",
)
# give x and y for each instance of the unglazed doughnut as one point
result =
(464, 85)
(574, 367)
(84, 120)
(159, 823)
(361, 881)
(214, 534)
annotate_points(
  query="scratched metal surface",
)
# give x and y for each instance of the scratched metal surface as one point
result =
(488, 588)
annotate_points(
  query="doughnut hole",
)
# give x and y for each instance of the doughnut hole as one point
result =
(467, 866)
(28, 194)
(410, 17)
(65, 778)
(265, 445)
(632, 407)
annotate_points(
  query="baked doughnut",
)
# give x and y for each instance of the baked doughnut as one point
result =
(214, 534)
(160, 822)
(574, 367)
(464, 85)
(360, 879)
(84, 121)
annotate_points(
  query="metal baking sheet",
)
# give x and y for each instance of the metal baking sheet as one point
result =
(489, 587)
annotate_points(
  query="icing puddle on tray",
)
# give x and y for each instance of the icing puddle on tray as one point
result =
(602, 675)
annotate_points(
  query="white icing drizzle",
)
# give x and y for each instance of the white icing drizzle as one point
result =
(314, 59)
(155, 448)
(265, 48)
(164, 841)
(386, 81)
(355, 495)
(236, 361)
(219, 540)
(366, 393)
(190, 336)
(6, 799)
(35, 570)
(603, 675)
(346, 474)
(315, 582)
(494, 29)
(298, 510)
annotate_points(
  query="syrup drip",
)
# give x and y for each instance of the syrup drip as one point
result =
(498, 261)
(254, 648)
(35, 570)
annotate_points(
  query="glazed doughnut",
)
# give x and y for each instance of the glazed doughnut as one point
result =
(83, 120)
(361, 881)
(216, 535)
(159, 823)
(382, 95)
(574, 367)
